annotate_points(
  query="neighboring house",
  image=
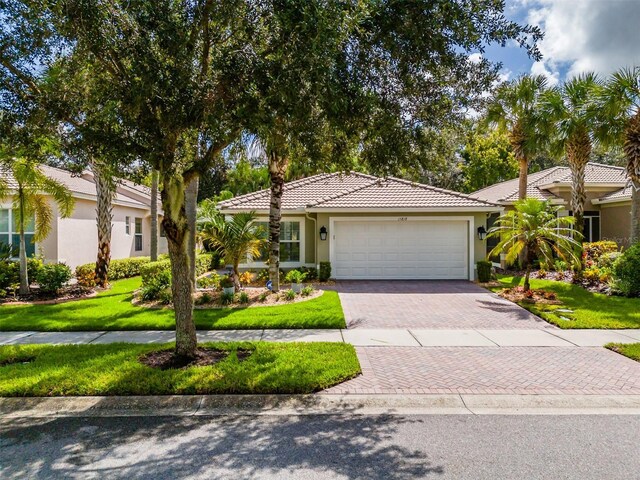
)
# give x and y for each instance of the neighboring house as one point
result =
(607, 211)
(373, 228)
(74, 240)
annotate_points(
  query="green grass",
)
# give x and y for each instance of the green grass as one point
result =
(112, 310)
(590, 310)
(631, 350)
(114, 369)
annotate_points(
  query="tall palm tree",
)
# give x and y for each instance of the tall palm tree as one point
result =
(533, 230)
(105, 194)
(572, 115)
(30, 198)
(237, 238)
(515, 109)
(620, 106)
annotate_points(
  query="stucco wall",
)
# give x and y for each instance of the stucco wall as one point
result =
(615, 223)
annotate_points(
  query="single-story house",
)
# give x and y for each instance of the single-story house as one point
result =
(74, 240)
(607, 211)
(374, 228)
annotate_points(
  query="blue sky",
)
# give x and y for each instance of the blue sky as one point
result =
(580, 35)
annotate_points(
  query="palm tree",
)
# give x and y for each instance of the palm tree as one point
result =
(620, 105)
(237, 239)
(515, 109)
(29, 200)
(535, 230)
(572, 116)
(105, 194)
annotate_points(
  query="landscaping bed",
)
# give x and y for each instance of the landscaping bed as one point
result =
(118, 369)
(112, 310)
(575, 307)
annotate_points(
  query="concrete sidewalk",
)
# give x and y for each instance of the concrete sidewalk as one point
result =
(361, 337)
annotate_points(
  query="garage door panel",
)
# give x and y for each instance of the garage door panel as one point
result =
(424, 249)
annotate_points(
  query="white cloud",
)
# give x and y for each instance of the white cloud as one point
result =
(475, 57)
(539, 68)
(586, 35)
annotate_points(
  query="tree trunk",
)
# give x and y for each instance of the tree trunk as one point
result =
(635, 215)
(154, 215)
(527, 274)
(632, 154)
(277, 169)
(523, 162)
(105, 193)
(191, 206)
(578, 153)
(24, 273)
(176, 229)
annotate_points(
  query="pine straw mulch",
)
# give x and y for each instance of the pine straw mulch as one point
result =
(205, 356)
(517, 294)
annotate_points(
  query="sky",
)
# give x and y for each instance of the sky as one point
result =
(580, 35)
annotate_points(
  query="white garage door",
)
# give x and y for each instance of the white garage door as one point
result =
(401, 249)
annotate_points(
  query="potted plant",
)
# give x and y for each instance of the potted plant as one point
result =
(295, 278)
(228, 286)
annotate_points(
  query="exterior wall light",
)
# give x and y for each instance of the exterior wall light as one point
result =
(323, 233)
(482, 233)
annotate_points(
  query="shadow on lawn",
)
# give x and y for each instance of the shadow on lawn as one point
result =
(348, 446)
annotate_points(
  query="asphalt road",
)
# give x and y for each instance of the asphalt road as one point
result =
(323, 447)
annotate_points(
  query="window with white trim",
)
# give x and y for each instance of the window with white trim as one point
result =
(127, 225)
(138, 235)
(9, 234)
(290, 242)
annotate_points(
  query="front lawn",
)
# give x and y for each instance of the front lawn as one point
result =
(588, 310)
(114, 369)
(631, 350)
(112, 310)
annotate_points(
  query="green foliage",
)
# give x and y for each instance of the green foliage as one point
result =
(263, 297)
(118, 269)
(148, 270)
(52, 277)
(227, 298)
(10, 273)
(533, 227)
(306, 291)
(156, 284)
(247, 178)
(243, 298)
(289, 295)
(295, 276)
(484, 271)
(487, 159)
(226, 281)
(325, 271)
(626, 272)
(593, 251)
(310, 272)
(210, 281)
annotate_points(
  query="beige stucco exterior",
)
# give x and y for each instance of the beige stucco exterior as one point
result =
(615, 222)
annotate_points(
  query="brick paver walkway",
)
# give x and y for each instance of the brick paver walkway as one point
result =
(493, 370)
(430, 304)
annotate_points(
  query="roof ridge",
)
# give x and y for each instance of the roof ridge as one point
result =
(615, 167)
(328, 198)
(441, 190)
(548, 171)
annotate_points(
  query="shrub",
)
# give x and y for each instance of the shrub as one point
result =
(289, 295)
(325, 271)
(226, 298)
(246, 278)
(204, 299)
(52, 278)
(151, 269)
(306, 291)
(226, 281)
(311, 272)
(560, 266)
(626, 272)
(263, 297)
(86, 275)
(594, 251)
(243, 298)
(118, 269)
(263, 275)
(295, 276)
(210, 281)
(10, 273)
(155, 286)
(484, 271)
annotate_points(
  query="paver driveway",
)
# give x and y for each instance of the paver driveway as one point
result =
(429, 304)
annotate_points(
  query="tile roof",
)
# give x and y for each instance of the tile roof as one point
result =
(356, 190)
(508, 191)
(622, 194)
(74, 183)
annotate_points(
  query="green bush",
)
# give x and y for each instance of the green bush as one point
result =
(311, 272)
(484, 271)
(243, 298)
(156, 285)
(626, 272)
(325, 271)
(118, 269)
(306, 291)
(52, 278)
(151, 269)
(592, 252)
(289, 295)
(295, 276)
(10, 273)
(226, 281)
(227, 298)
(211, 281)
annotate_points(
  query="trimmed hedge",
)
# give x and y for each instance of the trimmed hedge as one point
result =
(153, 269)
(52, 277)
(118, 269)
(484, 271)
(10, 273)
(325, 271)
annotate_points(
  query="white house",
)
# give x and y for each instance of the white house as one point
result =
(74, 240)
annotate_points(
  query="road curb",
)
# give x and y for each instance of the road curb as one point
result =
(322, 404)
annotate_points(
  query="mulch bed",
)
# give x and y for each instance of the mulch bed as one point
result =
(36, 297)
(205, 356)
(518, 294)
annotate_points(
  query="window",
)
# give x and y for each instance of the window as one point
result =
(591, 226)
(10, 236)
(289, 242)
(127, 225)
(138, 235)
